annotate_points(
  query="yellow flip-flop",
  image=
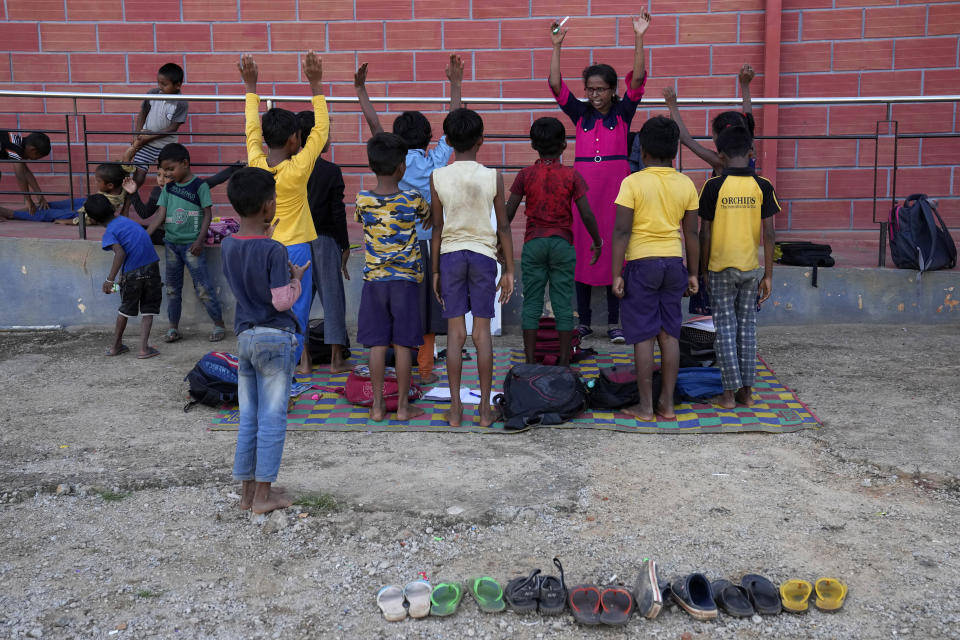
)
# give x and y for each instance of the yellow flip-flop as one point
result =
(795, 595)
(830, 594)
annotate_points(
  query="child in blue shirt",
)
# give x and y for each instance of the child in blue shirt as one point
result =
(266, 285)
(415, 131)
(137, 262)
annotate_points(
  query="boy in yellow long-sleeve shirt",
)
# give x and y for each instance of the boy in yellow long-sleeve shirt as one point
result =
(291, 167)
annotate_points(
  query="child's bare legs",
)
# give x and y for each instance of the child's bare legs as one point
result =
(146, 323)
(456, 338)
(305, 367)
(337, 363)
(266, 499)
(6, 214)
(425, 360)
(378, 362)
(118, 336)
(484, 346)
(139, 176)
(643, 359)
(248, 489)
(669, 367)
(530, 345)
(404, 357)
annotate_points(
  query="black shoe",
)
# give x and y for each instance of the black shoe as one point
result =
(553, 592)
(694, 595)
(522, 594)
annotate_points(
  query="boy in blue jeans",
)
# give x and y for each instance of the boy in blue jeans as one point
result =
(184, 208)
(736, 208)
(465, 254)
(389, 313)
(137, 261)
(652, 206)
(265, 284)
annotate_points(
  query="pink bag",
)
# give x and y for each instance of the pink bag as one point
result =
(359, 389)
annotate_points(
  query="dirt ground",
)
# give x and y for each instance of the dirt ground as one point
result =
(119, 518)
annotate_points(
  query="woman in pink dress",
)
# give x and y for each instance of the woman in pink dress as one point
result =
(602, 123)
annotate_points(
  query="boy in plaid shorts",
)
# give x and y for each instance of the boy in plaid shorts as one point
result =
(736, 207)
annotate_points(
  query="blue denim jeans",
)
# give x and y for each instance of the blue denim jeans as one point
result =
(265, 371)
(177, 256)
(300, 254)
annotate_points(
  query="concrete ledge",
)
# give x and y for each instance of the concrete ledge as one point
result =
(57, 282)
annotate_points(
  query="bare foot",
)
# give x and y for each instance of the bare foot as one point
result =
(247, 490)
(409, 413)
(667, 413)
(302, 371)
(273, 501)
(454, 415)
(725, 400)
(744, 396)
(641, 414)
(430, 378)
(343, 367)
(378, 413)
(487, 415)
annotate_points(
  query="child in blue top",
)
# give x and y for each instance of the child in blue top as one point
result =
(137, 262)
(415, 131)
(266, 285)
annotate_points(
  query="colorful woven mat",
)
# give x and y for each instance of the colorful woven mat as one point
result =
(776, 409)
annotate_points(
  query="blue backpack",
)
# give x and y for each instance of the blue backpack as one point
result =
(919, 239)
(213, 380)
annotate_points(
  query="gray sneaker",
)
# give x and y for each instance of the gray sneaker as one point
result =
(646, 592)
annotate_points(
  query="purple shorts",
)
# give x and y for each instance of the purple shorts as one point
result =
(653, 296)
(468, 282)
(389, 314)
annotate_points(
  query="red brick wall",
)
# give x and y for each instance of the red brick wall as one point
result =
(829, 48)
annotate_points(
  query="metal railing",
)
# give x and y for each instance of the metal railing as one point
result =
(876, 136)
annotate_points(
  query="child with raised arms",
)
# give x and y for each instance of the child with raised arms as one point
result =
(465, 254)
(291, 164)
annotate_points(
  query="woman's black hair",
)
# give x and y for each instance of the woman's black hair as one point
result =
(607, 73)
(548, 137)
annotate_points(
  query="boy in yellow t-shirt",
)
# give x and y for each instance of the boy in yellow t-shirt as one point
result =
(652, 207)
(736, 207)
(291, 167)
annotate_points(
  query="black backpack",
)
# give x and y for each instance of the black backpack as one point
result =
(213, 381)
(539, 394)
(805, 254)
(616, 387)
(320, 352)
(919, 239)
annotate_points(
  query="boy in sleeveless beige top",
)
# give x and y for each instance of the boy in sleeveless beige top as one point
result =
(464, 254)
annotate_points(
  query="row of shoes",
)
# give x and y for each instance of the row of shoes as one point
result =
(592, 604)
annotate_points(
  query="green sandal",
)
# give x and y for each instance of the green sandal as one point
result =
(445, 599)
(172, 335)
(488, 593)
